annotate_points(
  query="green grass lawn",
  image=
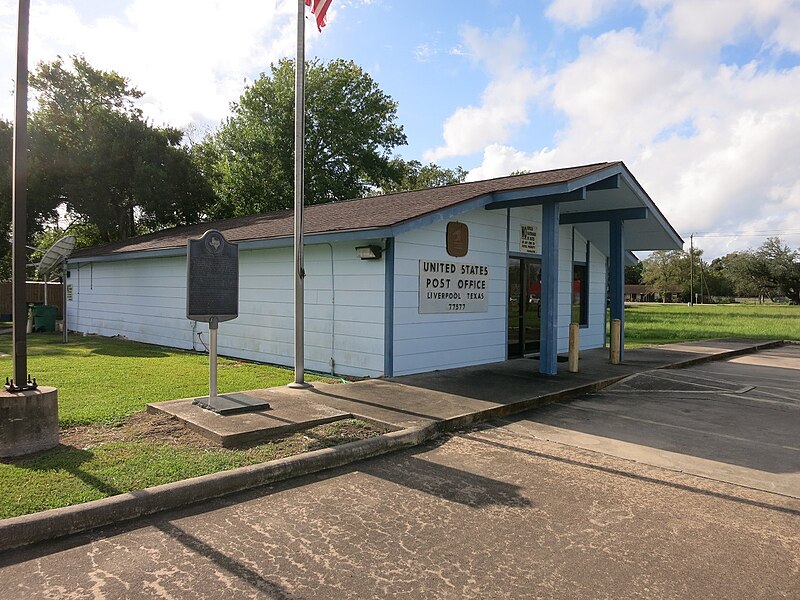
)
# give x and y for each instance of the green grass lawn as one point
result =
(102, 380)
(71, 475)
(652, 324)
(110, 446)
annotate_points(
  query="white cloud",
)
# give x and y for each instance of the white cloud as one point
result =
(785, 35)
(715, 145)
(503, 109)
(423, 52)
(698, 24)
(710, 24)
(505, 101)
(191, 58)
(577, 13)
(499, 160)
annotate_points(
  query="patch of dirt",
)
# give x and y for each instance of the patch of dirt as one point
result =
(166, 428)
(137, 427)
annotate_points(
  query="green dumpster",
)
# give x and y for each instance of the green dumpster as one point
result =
(44, 317)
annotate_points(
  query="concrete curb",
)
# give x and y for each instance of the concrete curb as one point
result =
(690, 362)
(58, 522)
(50, 524)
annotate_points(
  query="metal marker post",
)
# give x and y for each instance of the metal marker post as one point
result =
(213, 326)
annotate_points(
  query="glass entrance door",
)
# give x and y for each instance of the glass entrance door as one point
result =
(524, 305)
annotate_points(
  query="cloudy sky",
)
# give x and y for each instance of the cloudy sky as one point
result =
(700, 98)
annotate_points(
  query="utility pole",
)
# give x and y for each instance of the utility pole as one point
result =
(691, 270)
(19, 203)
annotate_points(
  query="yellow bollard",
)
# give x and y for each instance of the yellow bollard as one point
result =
(616, 340)
(574, 347)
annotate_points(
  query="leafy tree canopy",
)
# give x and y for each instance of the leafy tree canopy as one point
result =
(86, 234)
(633, 274)
(413, 175)
(666, 271)
(769, 271)
(351, 129)
(93, 152)
(778, 266)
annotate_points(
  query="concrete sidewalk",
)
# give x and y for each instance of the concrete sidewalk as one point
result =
(445, 399)
(418, 407)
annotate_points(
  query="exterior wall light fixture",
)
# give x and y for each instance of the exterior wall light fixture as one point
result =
(368, 252)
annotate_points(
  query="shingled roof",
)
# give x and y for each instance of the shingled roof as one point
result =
(361, 214)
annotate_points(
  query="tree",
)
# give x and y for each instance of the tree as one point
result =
(416, 176)
(740, 270)
(86, 234)
(716, 279)
(769, 271)
(666, 271)
(779, 265)
(95, 154)
(351, 130)
(40, 209)
(633, 274)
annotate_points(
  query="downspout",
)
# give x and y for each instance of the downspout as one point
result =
(507, 283)
(332, 362)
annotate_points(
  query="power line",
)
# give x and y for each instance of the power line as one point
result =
(715, 234)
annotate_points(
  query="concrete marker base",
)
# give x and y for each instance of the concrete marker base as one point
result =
(28, 421)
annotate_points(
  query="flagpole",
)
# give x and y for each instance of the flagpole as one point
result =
(299, 136)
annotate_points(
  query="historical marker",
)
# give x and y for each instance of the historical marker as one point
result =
(212, 296)
(212, 279)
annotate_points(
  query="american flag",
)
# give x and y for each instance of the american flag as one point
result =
(319, 8)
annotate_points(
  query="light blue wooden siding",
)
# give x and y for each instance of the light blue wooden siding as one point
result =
(594, 336)
(427, 342)
(564, 286)
(144, 300)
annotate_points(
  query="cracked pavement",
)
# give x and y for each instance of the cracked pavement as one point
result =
(493, 512)
(484, 514)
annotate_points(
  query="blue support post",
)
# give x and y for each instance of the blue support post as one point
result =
(548, 349)
(616, 286)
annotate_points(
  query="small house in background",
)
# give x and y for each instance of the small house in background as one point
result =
(639, 293)
(405, 283)
(647, 293)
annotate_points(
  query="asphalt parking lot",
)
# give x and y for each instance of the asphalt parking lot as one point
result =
(736, 421)
(624, 494)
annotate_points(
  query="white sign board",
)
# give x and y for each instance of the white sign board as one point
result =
(529, 239)
(450, 287)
